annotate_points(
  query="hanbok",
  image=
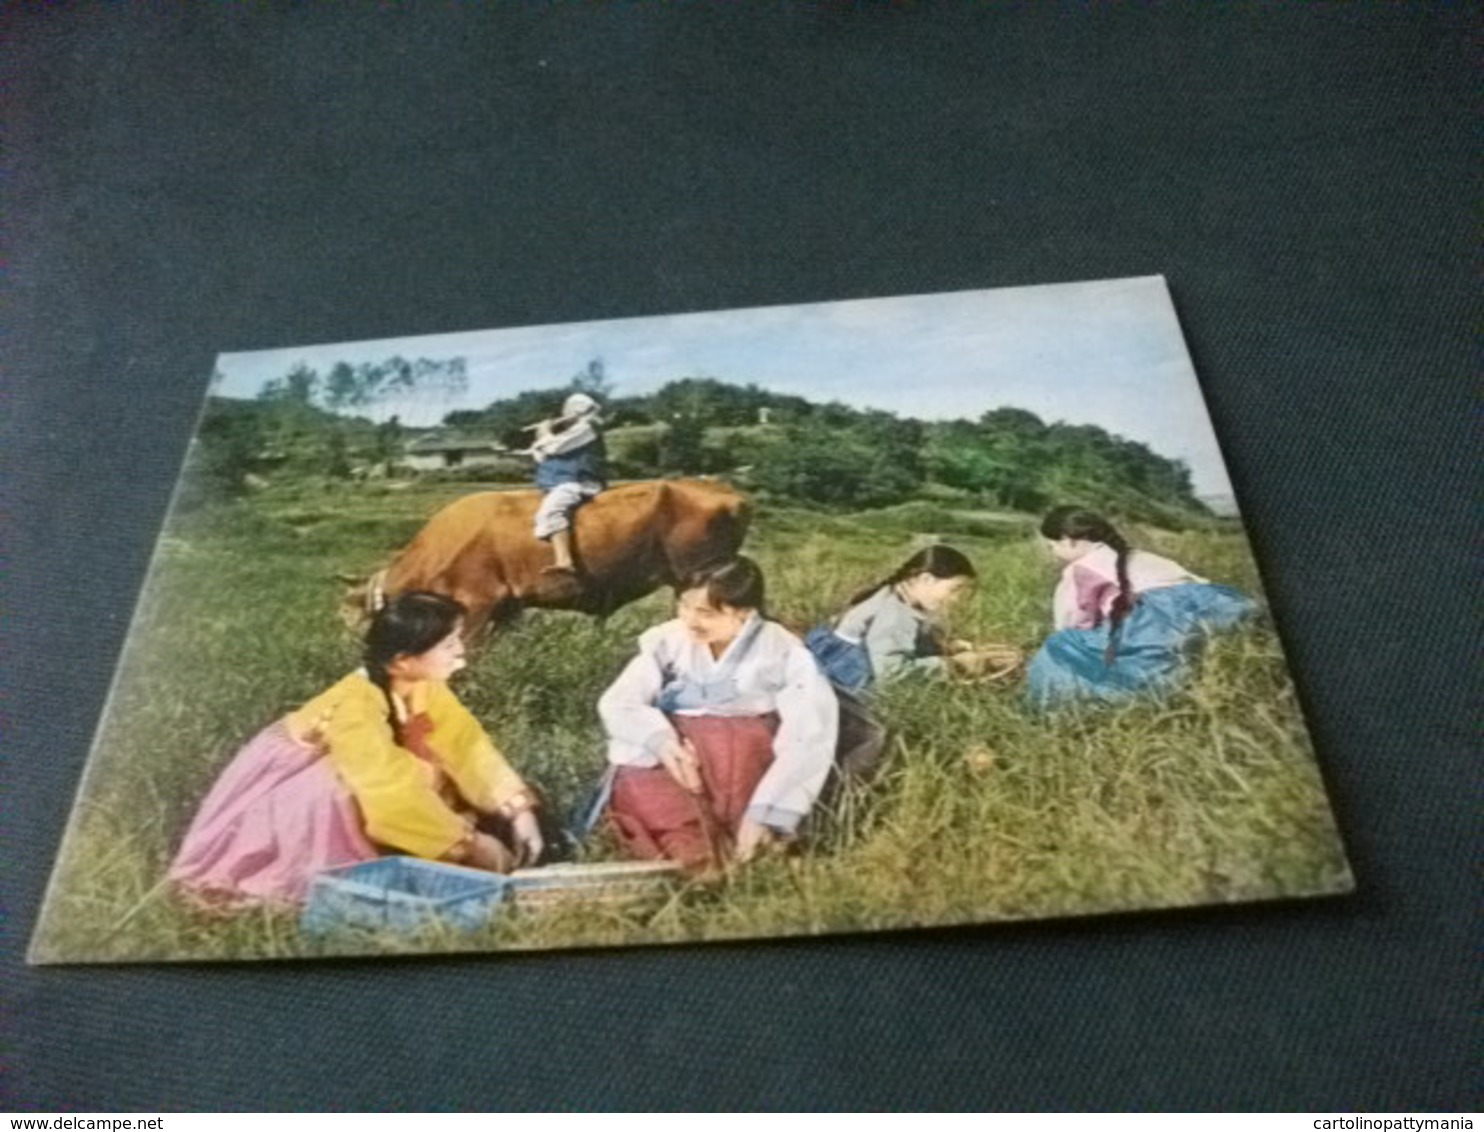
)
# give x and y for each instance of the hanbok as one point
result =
(331, 784)
(761, 718)
(880, 638)
(1173, 611)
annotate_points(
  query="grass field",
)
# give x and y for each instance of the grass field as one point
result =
(983, 811)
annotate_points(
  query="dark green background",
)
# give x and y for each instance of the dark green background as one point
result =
(188, 179)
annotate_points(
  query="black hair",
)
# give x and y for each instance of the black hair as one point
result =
(1089, 526)
(737, 583)
(937, 559)
(407, 625)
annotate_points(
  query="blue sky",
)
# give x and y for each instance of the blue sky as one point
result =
(1106, 353)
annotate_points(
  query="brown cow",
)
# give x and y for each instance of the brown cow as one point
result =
(628, 541)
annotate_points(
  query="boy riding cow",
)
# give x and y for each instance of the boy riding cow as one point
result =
(571, 468)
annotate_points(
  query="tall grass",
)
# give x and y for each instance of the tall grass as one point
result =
(981, 811)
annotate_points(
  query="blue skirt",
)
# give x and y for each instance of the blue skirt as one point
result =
(846, 663)
(1155, 643)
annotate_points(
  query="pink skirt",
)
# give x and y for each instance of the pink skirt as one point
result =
(655, 818)
(276, 816)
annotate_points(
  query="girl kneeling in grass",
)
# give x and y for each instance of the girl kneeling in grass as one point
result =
(721, 731)
(893, 628)
(1126, 620)
(890, 630)
(386, 760)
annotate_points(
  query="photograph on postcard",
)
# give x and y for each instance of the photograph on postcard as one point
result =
(835, 617)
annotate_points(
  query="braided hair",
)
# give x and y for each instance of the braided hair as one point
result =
(407, 625)
(937, 559)
(1089, 526)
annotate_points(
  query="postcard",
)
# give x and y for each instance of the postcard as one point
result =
(835, 617)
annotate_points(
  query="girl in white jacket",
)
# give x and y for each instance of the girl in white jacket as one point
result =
(721, 730)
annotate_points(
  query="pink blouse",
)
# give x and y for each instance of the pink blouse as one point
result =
(1084, 596)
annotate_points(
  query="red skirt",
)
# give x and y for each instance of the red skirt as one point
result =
(657, 819)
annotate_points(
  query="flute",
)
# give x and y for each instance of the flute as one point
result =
(550, 423)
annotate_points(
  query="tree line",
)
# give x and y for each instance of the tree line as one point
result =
(832, 454)
(778, 445)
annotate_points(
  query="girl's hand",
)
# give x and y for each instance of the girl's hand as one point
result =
(958, 644)
(985, 662)
(679, 758)
(527, 832)
(751, 837)
(489, 853)
(963, 664)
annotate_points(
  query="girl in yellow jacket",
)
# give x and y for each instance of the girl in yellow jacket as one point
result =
(385, 761)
